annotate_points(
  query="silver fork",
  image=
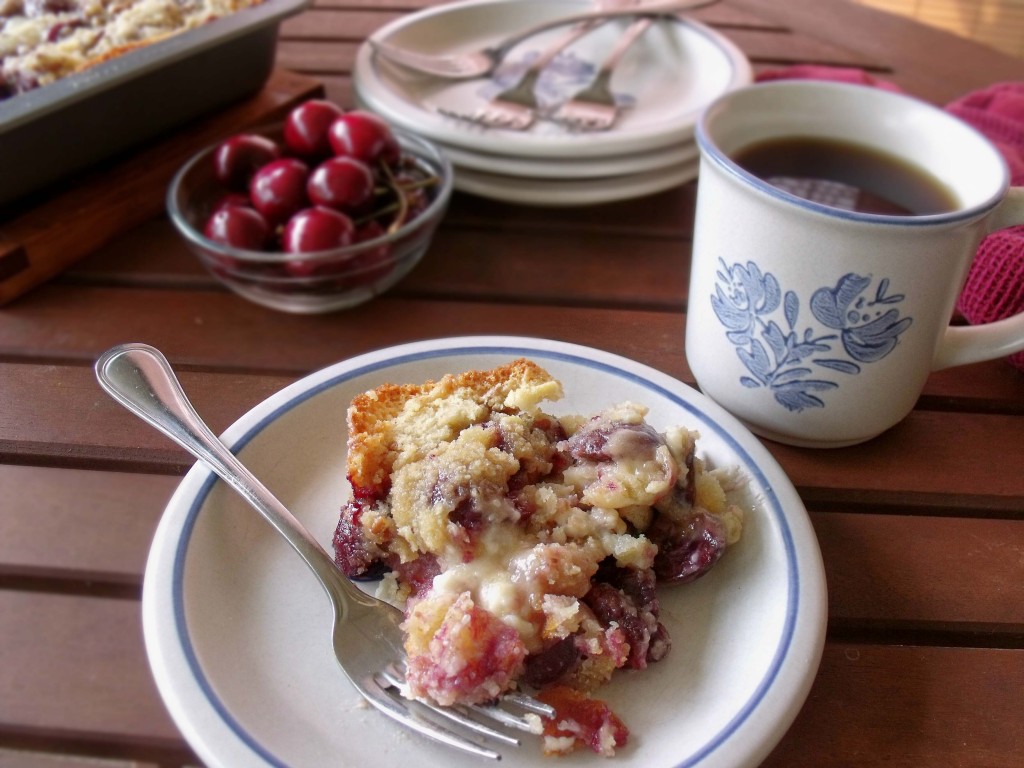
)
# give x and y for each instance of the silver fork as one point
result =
(366, 635)
(594, 107)
(515, 108)
(472, 64)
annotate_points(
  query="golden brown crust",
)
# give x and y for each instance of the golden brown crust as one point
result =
(121, 50)
(370, 437)
(52, 42)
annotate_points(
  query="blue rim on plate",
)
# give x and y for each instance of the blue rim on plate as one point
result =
(764, 474)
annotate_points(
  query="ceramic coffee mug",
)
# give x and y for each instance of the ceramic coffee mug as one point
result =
(816, 325)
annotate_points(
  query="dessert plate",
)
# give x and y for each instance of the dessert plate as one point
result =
(570, 168)
(236, 627)
(663, 83)
(566, 192)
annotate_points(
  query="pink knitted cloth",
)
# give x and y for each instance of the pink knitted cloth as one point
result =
(995, 283)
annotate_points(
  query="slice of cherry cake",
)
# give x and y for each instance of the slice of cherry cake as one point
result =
(526, 548)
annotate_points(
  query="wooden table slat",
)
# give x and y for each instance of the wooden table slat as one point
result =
(298, 345)
(81, 215)
(104, 687)
(102, 434)
(921, 530)
(908, 687)
(90, 532)
(915, 707)
(95, 525)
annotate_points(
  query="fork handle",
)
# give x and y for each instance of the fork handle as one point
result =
(570, 37)
(630, 36)
(139, 377)
(548, 55)
(644, 8)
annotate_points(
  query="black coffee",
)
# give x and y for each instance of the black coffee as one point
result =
(848, 176)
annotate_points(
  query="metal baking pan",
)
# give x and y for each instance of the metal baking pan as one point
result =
(66, 126)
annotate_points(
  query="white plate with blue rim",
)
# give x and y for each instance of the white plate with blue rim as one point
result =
(238, 630)
(663, 82)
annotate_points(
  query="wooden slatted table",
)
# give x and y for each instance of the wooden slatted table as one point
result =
(922, 529)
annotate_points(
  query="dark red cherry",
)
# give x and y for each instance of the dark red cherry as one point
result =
(364, 136)
(238, 226)
(233, 200)
(317, 229)
(687, 548)
(369, 230)
(305, 128)
(341, 182)
(373, 262)
(237, 159)
(278, 189)
(371, 265)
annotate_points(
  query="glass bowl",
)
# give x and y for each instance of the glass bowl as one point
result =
(326, 280)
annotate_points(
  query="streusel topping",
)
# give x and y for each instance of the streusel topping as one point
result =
(526, 548)
(42, 41)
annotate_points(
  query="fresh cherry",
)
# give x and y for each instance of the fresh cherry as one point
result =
(238, 226)
(341, 182)
(233, 200)
(317, 229)
(238, 158)
(368, 266)
(305, 128)
(369, 230)
(364, 136)
(278, 189)
(358, 171)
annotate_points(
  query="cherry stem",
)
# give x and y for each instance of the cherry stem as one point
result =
(401, 204)
(403, 201)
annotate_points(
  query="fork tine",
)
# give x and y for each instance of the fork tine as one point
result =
(392, 675)
(455, 115)
(378, 694)
(528, 722)
(515, 119)
(529, 703)
(515, 107)
(594, 108)
(585, 117)
(457, 716)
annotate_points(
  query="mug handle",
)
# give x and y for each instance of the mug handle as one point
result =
(972, 344)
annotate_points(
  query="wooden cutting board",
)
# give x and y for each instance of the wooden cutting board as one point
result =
(39, 241)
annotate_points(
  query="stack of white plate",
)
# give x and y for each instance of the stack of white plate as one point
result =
(662, 85)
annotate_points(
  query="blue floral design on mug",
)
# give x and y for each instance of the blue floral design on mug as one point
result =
(788, 361)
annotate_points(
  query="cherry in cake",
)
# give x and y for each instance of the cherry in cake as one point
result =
(527, 550)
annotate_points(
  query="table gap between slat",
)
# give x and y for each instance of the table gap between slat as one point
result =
(840, 629)
(172, 462)
(42, 742)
